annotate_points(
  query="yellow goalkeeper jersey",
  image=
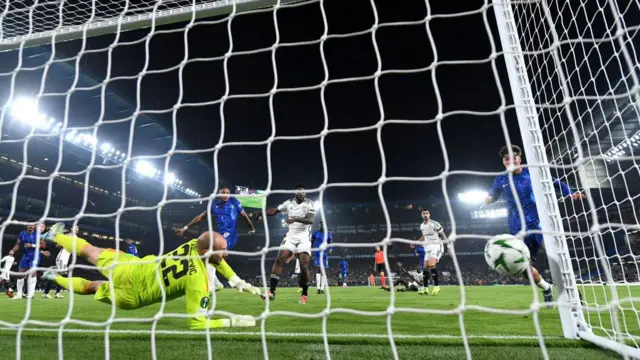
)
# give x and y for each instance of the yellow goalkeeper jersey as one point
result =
(179, 276)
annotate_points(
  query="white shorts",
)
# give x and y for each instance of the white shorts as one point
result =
(297, 244)
(433, 251)
(4, 275)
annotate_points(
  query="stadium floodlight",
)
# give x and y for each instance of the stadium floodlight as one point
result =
(169, 178)
(145, 168)
(473, 197)
(70, 135)
(118, 153)
(105, 147)
(490, 213)
(25, 110)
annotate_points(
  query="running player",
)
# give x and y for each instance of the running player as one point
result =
(524, 191)
(136, 285)
(301, 214)
(317, 238)
(433, 237)
(30, 258)
(5, 276)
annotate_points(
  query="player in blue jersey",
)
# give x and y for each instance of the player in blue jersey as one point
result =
(524, 190)
(225, 209)
(30, 257)
(131, 247)
(317, 238)
(419, 251)
(343, 267)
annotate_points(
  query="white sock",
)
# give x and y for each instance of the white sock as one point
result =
(344, 284)
(324, 282)
(20, 286)
(31, 285)
(543, 285)
(319, 281)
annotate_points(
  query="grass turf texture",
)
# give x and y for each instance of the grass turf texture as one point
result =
(350, 336)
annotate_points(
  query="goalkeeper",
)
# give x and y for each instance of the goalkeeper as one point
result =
(135, 285)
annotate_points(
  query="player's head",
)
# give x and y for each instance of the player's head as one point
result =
(426, 214)
(213, 241)
(506, 159)
(41, 227)
(344, 257)
(301, 194)
(32, 225)
(224, 193)
(377, 248)
(321, 226)
(129, 241)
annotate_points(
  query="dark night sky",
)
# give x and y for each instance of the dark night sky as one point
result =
(471, 140)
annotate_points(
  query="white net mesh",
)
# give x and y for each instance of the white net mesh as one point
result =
(582, 65)
(87, 115)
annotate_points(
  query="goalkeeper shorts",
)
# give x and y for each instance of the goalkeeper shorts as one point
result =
(123, 295)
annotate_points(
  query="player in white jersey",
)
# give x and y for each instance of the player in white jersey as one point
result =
(5, 277)
(301, 213)
(61, 267)
(433, 237)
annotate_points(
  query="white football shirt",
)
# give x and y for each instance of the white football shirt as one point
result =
(431, 232)
(8, 262)
(62, 260)
(295, 209)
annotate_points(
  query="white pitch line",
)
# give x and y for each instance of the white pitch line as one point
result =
(285, 335)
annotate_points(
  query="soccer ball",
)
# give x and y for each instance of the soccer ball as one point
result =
(507, 255)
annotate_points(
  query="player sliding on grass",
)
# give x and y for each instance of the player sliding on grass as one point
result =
(524, 191)
(135, 285)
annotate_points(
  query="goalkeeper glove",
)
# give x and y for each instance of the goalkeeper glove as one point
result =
(244, 286)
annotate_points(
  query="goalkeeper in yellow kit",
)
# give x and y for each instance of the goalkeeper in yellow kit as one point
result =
(183, 272)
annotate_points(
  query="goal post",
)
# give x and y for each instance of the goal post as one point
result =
(21, 27)
(553, 135)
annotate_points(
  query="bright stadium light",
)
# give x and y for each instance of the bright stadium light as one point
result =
(105, 147)
(26, 110)
(169, 178)
(473, 197)
(490, 213)
(145, 168)
(70, 135)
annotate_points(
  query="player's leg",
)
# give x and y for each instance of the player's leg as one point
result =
(286, 249)
(73, 243)
(534, 243)
(383, 280)
(305, 275)
(323, 278)
(32, 278)
(344, 280)
(316, 262)
(47, 288)
(76, 284)
(432, 263)
(426, 276)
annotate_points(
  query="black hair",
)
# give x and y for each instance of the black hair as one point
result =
(223, 186)
(298, 186)
(504, 151)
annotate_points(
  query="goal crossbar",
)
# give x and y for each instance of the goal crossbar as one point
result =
(92, 28)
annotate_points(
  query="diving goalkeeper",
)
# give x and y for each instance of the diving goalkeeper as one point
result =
(183, 272)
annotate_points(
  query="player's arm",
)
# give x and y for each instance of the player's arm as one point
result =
(246, 217)
(16, 247)
(494, 192)
(566, 190)
(307, 220)
(195, 220)
(198, 303)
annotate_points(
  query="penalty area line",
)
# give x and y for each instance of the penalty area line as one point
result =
(282, 334)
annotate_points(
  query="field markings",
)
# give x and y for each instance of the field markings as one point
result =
(284, 334)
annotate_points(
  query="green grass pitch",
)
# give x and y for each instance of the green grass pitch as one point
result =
(360, 335)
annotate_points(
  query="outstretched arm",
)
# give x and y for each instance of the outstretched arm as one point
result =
(272, 212)
(195, 220)
(494, 193)
(566, 190)
(198, 306)
(246, 218)
(16, 247)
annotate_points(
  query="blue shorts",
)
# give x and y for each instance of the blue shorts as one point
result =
(325, 259)
(231, 237)
(344, 275)
(533, 241)
(27, 262)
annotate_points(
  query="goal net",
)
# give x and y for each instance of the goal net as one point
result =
(119, 115)
(574, 71)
